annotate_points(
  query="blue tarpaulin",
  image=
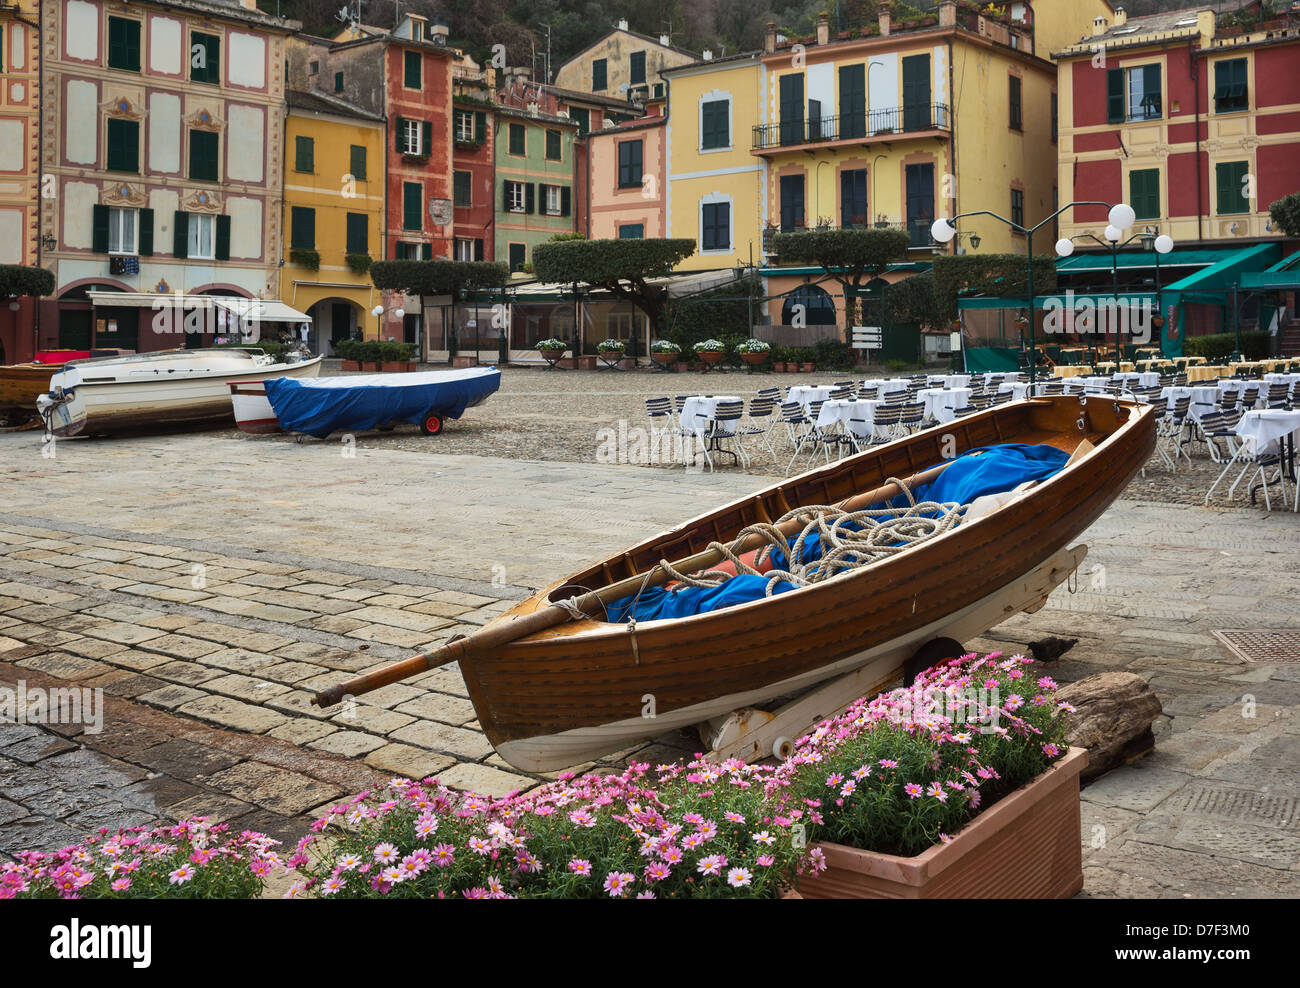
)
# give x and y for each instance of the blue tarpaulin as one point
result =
(989, 470)
(318, 406)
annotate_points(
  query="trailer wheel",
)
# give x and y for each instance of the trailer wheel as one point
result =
(431, 424)
(932, 652)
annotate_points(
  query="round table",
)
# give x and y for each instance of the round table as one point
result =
(806, 394)
(1205, 372)
(888, 385)
(1017, 389)
(942, 403)
(1202, 398)
(698, 411)
(1075, 370)
(857, 415)
(949, 380)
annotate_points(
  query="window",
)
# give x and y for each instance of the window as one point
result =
(1054, 118)
(636, 69)
(462, 183)
(304, 157)
(358, 233)
(792, 196)
(715, 124)
(853, 197)
(358, 162)
(204, 155)
(631, 231)
(302, 228)
(464, 249)
(552, 200)
(1229, 183)
(412, 206)
(629, 165)
(410, 134)
(599, 75)
(582, 117)
(918, 182)
(1144, 193)
(518, 256)
(200, 237)
(1018, 207)
(515, 197)
(1230, 93)
(553, 145)
(411, 70)
(123, 44)
(791, 108)
(818, 308)
(1143, 100)
(1014, 89)
(518, 139)
(205, 58)
(715, 226)
(121, 230)
(338, 82)
(313, 68)
(123, 146)
(463, 126)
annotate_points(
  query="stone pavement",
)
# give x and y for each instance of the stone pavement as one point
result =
(210, 585)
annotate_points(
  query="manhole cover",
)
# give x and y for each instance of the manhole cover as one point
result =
(1262, 646)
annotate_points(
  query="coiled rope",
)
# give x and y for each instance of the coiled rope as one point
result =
(849, 539)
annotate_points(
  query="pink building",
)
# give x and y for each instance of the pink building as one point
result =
(627, 180)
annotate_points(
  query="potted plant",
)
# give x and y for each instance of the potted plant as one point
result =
(664, 352)
(395, 358)
(552, 349)
(346, 350)
(754, 351)
(611, 351)
(709, 352)
(958, 786)
(806, 359)
(369, 353)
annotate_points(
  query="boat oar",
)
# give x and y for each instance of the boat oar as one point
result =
(590, 603)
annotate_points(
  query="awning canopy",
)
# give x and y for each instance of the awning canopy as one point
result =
(260, 310)
(250, 309)
(1100, 261)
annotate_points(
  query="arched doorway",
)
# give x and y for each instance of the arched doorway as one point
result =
(818, 308)
(86, 326)
(332, 319)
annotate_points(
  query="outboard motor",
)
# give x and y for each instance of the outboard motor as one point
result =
(63, 412)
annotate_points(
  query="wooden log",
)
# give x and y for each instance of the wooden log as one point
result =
(1112, 718)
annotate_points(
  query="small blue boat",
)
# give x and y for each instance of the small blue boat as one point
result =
(322, 405)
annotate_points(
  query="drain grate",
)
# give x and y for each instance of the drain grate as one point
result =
(1262, 646)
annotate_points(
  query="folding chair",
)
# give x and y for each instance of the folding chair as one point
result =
(760, 408)
(910, 419)
(886, 424)
(1257, 463)
(660, 411)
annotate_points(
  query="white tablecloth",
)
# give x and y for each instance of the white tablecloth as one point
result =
(1276, 378)
(805, 394)
(698, 411)
(1263, 428)
(1203, 398)
(1075, 385)
(1140, 379)
(1017, 389)
(940, 403)
(846, 411)
(888, 385)
(949, 380)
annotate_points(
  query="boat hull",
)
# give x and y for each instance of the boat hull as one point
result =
(584, 688)
(22, 384)
(253, 412)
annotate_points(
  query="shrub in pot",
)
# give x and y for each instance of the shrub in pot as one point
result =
(710, 351)
(754, 351)
(665, 352)
(347, 351)
(370, 353)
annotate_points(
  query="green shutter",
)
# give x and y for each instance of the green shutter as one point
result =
(505, 196)
(357, 238)
(553, 152)
(399, 145)
(1144, 193)
(518, 139)
(480, 126)
(636, 68)
(204, 155)
(1115, 95)
(412, 196)
(99, 229)
(123, 146)
(426, 138)
(599, 75)
(478, 248)
(565, 201)
(411, 70)
(1228, 183)
(529, 197)
(302, 234)
(304, 154)
(358, 163)
(180, 234)
(222, 246)
(426, 252)
(124, 44)
(145, 220)
(210, 70)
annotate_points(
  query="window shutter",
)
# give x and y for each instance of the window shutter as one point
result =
(478, 249)
(565, 200)
(146, 233)
(480, 126)
(426, 252)
(1151, 87)
(400, 144)
(358, 163)
(222, 244)
(426, 138)
(1114, 95)
(180, 234)
(213, 45)
(529, 198)
(133, 44)
(99, 228)
(505, 196)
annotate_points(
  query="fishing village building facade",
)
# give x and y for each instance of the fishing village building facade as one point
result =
(334, 205)
(20, 142)
(162, 148)
(627, 173)
(624, 65)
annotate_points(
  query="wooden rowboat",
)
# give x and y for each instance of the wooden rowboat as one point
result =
(565, 694)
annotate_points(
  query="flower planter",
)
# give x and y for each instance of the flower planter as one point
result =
(1025, 846)
(806, 367)
(394, 367)
(709, 356)
(664, 358)
(370, 366)
(754, 358)
(351, 365)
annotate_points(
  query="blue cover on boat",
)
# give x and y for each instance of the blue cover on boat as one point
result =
(994, 470)
(318, 406)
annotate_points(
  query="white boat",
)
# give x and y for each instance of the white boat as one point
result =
(110, 394)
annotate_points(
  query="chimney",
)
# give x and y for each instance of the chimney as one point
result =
(438, 32)
(622, 25)
(769, 37)
(1121, 17)
(708, 54)
(884, 20)
(1098, 25)
(823, 30)
(947, 13)
(248, 4)
(663, 40)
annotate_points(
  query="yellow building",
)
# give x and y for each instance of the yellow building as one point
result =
(19, 166)
(333, 214)
(716, 191)
(623, 64)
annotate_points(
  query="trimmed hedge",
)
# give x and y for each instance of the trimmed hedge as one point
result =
(848, 256)
(997, 275)
(18, 280)
(1217, 348)
(439, 277)
(912, 301)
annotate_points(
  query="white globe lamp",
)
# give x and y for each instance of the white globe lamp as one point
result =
(942, 230)
(1113, 234)
(377, 311)
(1164, 243)
(1122, 216)
(1064, 247)
(399, 313)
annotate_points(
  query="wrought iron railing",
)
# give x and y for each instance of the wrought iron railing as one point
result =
(908, 118)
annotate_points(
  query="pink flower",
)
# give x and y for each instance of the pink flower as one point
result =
(888, 763)
(657, 872)
(184, 873)
(936, 790)
(1051, 750)
(580, 866)
(1015, 701)
(712, 865)
(1047, 683)
(738, 878)
(121, 885)
(734, 817)
(765, 861)
(385, 853)
(913, 790)
(617, 883)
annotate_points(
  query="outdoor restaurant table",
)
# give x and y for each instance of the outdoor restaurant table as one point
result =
(949, 380)
(1017, 389)
(1246, 365)
(1205, 372)
(888, 385)
(1155, 364)
(1108, 366)
(698, 411)
(941, 403)
(1229, 384)
(1202, 398)
(1277, 364)
(806, 394)
(846, 410)
(988, 376)
(1076, 370)
(1189, 361)
(1279, 378)
(1141, 379)
(1262, 428)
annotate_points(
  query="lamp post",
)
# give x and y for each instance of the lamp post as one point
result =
(944, 229)
(378, 312)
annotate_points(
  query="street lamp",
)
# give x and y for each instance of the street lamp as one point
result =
(378, 312)
(944, 229)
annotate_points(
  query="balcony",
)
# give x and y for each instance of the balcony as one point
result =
(894, 123)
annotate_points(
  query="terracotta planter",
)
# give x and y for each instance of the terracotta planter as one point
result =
(664, 358)
(393, 367)
(1026, 846)
(806, 367)
(754, 358)
(709, 356)
(351, 365)
(370, 367)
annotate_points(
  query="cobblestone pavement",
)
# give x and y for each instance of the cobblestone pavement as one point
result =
(209, 586)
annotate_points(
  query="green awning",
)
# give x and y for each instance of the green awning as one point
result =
(1061, 297)
(1284, 275)
(1098, 261)
(1227, 271)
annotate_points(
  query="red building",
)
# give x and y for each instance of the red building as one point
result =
(473, 162)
